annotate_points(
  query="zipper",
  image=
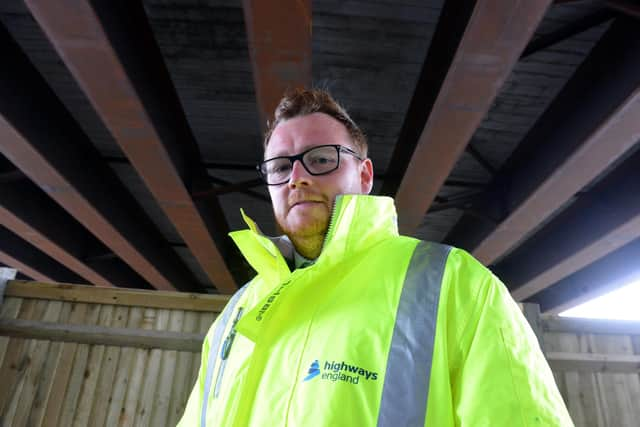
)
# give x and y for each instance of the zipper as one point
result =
(224, 353)
(332, 219)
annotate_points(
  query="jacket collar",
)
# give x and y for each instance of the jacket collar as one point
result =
(357, 223)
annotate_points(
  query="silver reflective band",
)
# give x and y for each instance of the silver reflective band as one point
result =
(406, 381)
(214, 351)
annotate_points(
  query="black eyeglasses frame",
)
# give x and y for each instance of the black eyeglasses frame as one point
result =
(339, 148)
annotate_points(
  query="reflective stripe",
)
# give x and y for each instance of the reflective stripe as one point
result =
(214, 350)
(406, 384)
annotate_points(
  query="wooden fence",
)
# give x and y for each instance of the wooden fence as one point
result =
(596, 364)
(84, 356)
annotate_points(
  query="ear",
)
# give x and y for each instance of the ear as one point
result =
(366, 176)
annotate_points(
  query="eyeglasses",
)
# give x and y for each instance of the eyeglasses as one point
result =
(319, 160)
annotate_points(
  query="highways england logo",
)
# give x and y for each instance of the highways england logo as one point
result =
(339, 371)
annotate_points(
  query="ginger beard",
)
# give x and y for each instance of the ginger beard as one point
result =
(306, 218)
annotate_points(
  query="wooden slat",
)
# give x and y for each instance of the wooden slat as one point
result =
(80, 360)
(619, 392)
(183, 381)
(138, 298)
(592, 362)
(29, 367)
(44, 379)
(136, 382)
(62, 371)
(149, 389)
(9, 310)
(163, 394)
(590, 326)
(124, 372)
(92, 373)
(13, 363)
(579, 386)
(101, 335)
(108, 370)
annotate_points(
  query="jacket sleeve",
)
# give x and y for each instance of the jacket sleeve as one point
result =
(498, 373)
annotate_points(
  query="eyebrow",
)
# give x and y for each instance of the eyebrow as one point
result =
(282, 154)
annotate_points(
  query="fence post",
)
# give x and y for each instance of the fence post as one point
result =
(6, 274)
(532, 314)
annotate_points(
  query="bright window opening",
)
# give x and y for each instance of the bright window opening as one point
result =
(621, 304)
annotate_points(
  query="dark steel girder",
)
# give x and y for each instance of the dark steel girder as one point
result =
(600, 221)
(22, 256)
(573, 28)
(110, 50)
(494, 35)
(39, 136)
(599, 123)
(280, 49)
(34, 217)
(617, 269)
(454, 18)
(631, 8)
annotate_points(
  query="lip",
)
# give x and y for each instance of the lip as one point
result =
(305, 202)
(302, 198)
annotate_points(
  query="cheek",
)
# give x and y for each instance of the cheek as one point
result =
(349, 184)
(278, 200)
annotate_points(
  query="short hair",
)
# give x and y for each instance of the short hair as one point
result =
(302, 102)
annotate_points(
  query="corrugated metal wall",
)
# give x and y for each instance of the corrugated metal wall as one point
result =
(130, 358)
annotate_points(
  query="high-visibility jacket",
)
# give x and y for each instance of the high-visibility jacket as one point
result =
(382, 330)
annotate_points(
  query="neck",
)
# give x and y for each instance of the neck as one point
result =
(309, 247)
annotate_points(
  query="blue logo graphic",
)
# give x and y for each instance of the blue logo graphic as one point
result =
(314, 371)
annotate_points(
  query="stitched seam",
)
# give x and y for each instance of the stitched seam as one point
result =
(513, 379)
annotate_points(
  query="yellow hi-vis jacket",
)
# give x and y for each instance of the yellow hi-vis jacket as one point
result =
(383, 330)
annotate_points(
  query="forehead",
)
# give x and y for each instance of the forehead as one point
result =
(300, 133)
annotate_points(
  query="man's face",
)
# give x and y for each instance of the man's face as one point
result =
(303, 205)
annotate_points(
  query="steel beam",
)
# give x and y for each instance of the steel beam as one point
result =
(494, 36)
(611, 272)
(110, 49)
(242, 186)
(557, 158)
(29, 213)
(450, 28)
(567, 31)
(630, 8)
(600, 221)
(280, 49)
(42, 139)
(25, 258)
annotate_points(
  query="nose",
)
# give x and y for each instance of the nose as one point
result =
(299, 175)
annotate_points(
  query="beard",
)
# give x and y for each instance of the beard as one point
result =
(305, 222)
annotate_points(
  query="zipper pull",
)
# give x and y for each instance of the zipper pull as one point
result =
(228, 342)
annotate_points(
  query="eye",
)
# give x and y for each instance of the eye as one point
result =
(321, 160)
(278, 167)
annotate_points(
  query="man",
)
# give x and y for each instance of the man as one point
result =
(349, 324)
